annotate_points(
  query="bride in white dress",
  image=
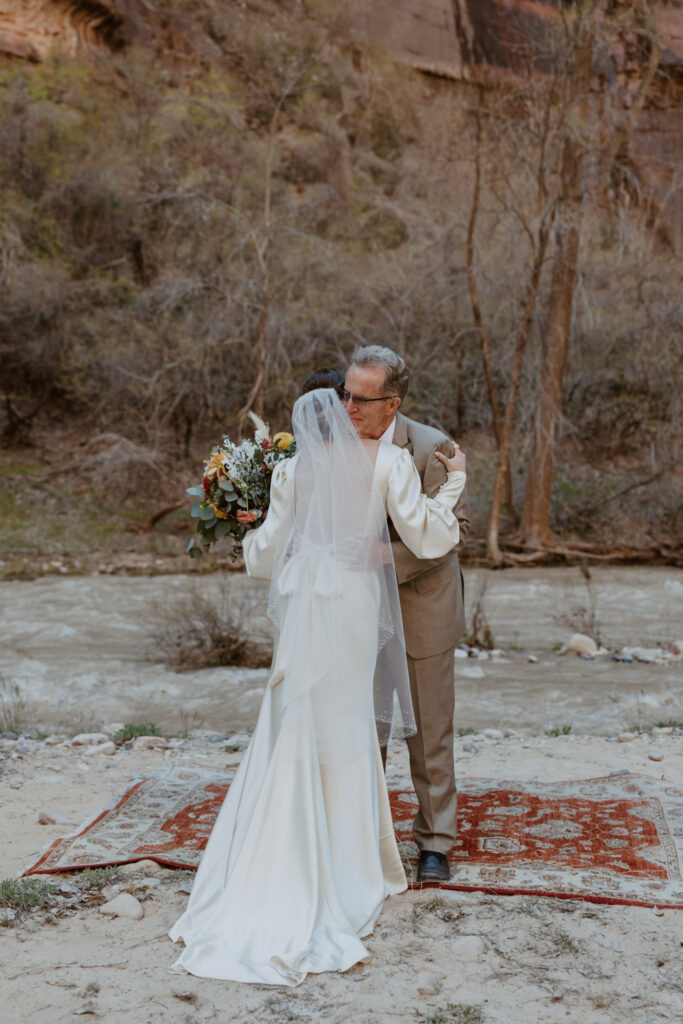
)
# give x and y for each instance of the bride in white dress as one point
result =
(303, 852)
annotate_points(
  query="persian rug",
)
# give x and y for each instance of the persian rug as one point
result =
(617, 839)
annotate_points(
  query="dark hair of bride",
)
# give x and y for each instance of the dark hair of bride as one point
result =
(324, 378)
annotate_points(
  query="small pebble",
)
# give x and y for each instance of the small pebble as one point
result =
(147, 883)
(428, 982)
(110, 891)
(123, 905)
(50, 818)
(579, 644)
(469, 947)
(107, 748)
(140, 867)
(149, 742)
(88, 739)
(655, 757)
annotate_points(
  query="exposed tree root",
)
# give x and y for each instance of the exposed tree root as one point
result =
(575, 553)
(154, 518)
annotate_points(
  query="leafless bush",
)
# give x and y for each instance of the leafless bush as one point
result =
(14, 709)
(120, 466)
(583, 616)
(480, 634)
(205, 629)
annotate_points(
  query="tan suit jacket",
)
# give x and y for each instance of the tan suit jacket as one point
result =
(431, 590)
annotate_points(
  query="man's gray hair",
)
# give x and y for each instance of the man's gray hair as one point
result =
(396, 373)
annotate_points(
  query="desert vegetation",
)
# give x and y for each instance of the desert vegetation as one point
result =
(186, 230)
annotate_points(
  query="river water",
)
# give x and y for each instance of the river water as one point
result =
(82, 651)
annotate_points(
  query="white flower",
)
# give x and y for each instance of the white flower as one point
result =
(262, 432)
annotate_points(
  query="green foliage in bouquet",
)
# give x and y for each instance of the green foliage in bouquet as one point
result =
(235, 490)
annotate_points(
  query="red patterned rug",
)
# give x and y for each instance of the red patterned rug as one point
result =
(610, 840)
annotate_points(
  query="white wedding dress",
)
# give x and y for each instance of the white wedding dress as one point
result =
(303, 852)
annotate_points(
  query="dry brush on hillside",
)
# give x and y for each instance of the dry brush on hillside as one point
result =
(186, 230)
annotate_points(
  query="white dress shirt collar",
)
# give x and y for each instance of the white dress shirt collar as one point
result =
(388, 435)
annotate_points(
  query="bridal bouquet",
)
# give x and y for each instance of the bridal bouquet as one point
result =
(235, 488)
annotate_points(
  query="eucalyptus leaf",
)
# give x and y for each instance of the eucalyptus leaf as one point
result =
(197, 491)
(195, 553)
(221, 529)
(207, 514)
(226, 485)
(196, 510)
(243, 503)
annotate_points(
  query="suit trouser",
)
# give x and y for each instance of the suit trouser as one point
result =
(431, 751)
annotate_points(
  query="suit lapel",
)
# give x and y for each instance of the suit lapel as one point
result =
(401, 433)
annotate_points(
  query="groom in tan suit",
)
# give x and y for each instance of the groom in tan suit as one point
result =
(431, 593)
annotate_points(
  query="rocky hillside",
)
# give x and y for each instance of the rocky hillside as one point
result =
(467, 40)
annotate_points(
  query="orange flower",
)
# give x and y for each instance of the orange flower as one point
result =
(214, 464)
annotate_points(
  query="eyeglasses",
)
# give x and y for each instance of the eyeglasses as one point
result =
(346, 396)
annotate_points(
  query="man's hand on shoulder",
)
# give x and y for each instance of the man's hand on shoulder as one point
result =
(456, 463)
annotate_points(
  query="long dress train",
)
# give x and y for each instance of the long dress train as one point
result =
(303, 852)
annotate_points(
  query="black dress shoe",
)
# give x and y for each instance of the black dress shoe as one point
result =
(433, 867)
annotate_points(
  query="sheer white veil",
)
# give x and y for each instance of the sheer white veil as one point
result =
(333, 592)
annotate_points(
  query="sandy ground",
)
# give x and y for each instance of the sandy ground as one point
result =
(529, 959)
(80, 650)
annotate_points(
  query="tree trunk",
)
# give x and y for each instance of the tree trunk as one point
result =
(579, 128)
(503, 467)
(535, 526)
(476, 306)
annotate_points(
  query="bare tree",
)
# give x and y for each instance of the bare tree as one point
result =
(583, 145)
